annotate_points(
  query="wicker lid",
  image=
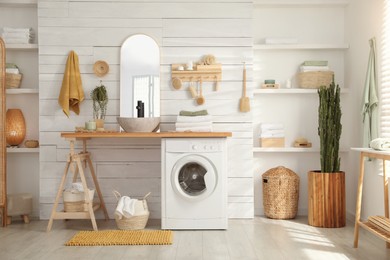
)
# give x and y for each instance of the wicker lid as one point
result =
(100, 68)
(279, 171)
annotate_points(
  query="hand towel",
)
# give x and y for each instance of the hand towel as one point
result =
(194, 113)
(315, 63)
(78, 186)
(193, 124)
(193, 119)
(128, 207)
(370, 99)
(23, 30)
(382, 144)
(17, 40)
(313, 68)
(72, 93)
(119, 208)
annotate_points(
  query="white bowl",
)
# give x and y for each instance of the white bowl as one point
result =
(140, 124)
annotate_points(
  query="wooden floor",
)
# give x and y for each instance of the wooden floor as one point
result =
(260, 238)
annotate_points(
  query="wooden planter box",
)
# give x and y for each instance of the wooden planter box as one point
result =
(326, 199)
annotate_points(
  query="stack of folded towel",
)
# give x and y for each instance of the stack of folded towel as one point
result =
(197, 121)
(11, 68)
(271, 130)
(125, 207)
(382, 144)
(17, 35)
(314, 65)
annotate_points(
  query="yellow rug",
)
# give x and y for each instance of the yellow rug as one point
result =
(121, 237)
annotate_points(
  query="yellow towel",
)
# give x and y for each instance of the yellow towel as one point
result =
(72, 93)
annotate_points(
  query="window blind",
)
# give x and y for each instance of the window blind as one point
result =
(385, 73)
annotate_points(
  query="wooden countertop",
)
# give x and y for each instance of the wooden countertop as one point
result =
(82, 135)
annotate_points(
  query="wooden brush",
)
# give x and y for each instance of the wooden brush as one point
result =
(244, 101)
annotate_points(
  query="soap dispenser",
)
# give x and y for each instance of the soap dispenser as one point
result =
(140, 108)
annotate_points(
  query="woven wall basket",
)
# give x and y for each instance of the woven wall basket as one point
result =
(315, 79)
(280, 193)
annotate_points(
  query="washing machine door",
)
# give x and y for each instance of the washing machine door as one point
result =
(194, 177)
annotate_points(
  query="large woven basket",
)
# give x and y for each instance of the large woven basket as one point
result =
(315, 79)
(139, 220)
(280, 193)
(13, 80)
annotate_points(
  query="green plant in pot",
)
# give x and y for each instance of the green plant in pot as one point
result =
(327, 187)
(99, 98)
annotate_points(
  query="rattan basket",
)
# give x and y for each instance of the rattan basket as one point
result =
(280, 193)
(140, 218)
(13, 80)
(75, 202)
(315, 79)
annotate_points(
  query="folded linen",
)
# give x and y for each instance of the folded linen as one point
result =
(382, 144)
(195, 129)
(271, 126)
(16, 35)
(194, 113)
(125, 207)
(193, 124)
(271, 135)
(315, 63)
(17, 40)
(314, 68)
(188, 119)
(272, 132)
(77, 186)
(10, 29)
(12, 71)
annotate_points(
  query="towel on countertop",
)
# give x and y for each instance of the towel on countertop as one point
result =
(72, 93)
(382, 144)
(193, 113)
(195, 129)
(193, 119)
(195, 124)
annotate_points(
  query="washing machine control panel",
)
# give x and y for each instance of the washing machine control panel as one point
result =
(205, 147)
(194, 145)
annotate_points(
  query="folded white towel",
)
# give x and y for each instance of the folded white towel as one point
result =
(272, 132)
(128, 207)
(9, 29)
(12, 70)
(194, 124)
(195, 129)
(271, 126)
(17, 40)
(313, 68)
(77, 186)
(189, 119)
(16, 35)
(382, 144)
(119, 208)
(271, 135)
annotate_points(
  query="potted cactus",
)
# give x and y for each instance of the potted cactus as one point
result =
(99, 98)
(327, 187)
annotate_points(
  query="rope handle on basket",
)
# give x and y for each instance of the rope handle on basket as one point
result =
(116, 194)
(147, 195)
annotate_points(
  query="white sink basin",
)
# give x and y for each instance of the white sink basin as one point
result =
(140, 124)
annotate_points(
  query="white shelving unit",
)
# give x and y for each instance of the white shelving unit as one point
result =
(300, 46)
(22, 150)
(302, 3)
(19, 91)
(291, 150)
(289, 91)
(17, 46)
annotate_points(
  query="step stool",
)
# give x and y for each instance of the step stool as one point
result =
(19, 204)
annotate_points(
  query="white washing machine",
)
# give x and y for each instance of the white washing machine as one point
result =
(194, 183)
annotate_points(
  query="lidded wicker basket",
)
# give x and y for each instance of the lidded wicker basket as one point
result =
(138, 220)
(280, 193)
(315, 79)
(13, 80)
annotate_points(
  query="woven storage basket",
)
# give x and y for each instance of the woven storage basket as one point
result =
(140, 218)
(315, 79)
(13, 80)
(75, 202)
(280, 193)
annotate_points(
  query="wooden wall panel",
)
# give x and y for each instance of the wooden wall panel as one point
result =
(185, 30)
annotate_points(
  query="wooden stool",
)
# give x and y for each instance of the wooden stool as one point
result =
(19, 205)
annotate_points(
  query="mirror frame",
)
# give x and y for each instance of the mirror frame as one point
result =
(126, 93)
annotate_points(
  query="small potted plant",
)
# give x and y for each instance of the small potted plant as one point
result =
(327, 187)
(100, 100)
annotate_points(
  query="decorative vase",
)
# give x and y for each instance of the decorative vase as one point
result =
(99, 123)
(15, 130)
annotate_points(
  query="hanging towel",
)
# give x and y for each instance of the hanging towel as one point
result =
(370, 99)
(72, 93)
(193, 113)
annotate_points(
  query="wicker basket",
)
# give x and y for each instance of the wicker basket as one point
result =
(140, 218)
(13, 80)
(315, 79)
(75, 202)
(280, 193)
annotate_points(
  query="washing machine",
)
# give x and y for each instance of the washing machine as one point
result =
(194, 183)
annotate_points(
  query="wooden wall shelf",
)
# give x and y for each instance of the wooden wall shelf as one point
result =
(206, 73)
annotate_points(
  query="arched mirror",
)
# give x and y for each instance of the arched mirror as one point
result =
(140, 76)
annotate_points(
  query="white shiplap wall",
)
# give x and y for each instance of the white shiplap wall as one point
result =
(185, 30)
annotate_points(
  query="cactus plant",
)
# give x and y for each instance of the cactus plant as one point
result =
(329, 127)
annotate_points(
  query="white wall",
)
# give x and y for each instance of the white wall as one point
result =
(363, 21)
(184, 30)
